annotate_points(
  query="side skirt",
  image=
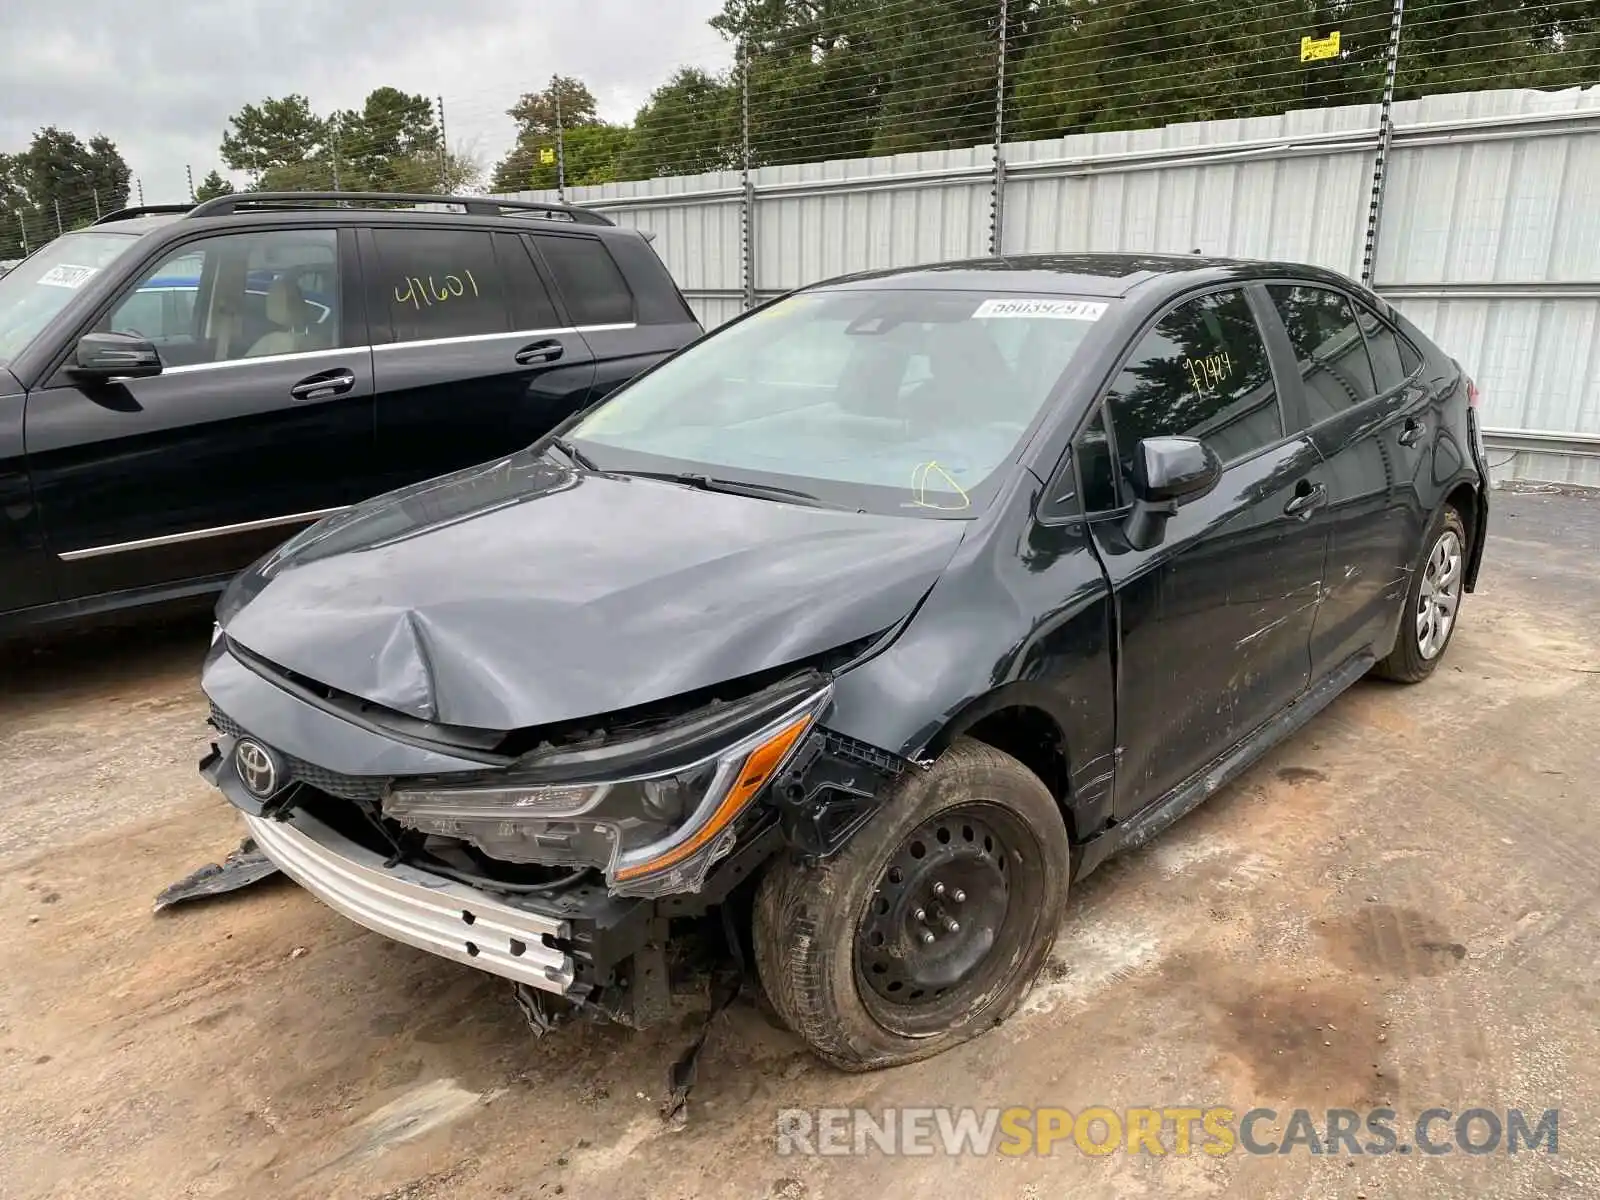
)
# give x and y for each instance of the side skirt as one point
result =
(1188, 795)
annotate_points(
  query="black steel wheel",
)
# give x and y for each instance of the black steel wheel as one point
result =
(930, 925)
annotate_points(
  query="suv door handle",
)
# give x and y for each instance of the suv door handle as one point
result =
(1303, 504)
(1412, 432)
(328, 383)
(537, 352)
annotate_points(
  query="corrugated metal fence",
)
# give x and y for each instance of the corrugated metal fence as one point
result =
(1489, 236)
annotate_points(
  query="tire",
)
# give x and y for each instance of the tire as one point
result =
(833, 940)
(1425, 633)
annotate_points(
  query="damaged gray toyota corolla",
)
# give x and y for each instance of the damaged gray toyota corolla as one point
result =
(882, 612)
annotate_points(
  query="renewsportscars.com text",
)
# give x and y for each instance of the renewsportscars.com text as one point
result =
(1173, 1130)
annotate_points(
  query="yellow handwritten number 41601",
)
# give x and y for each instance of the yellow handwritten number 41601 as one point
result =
(417, 293)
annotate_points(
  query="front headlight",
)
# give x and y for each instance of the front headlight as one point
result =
(652, 834)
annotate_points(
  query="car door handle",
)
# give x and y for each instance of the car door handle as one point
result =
(538, 352)
(1303, 504)
(1412, 432)
(328, 383)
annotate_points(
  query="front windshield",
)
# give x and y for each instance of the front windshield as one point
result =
(39, 287)
(891, 401)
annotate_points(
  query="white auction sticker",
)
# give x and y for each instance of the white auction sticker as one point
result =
(67, 276)
(1058, 310)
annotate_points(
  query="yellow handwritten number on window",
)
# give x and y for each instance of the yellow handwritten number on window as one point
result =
(417, 294)
(1207, 372)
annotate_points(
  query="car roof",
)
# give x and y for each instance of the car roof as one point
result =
(133, 226)
(1102, 274)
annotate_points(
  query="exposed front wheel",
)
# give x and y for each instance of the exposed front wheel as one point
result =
(932, 922)
(1433, 602)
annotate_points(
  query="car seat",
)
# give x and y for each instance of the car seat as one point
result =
(287, 309)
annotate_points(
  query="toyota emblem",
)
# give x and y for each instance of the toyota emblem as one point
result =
(258, 769)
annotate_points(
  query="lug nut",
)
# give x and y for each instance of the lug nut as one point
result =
(921, 914)
(938, 889)
(927, 937)
(953, 926)
(958, 896)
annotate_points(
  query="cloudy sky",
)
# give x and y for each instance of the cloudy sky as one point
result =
(160, 79)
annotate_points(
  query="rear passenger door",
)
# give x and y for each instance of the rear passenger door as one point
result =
(628, 328)
(471, 358)
(1366, 414)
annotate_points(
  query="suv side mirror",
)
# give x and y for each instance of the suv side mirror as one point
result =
(1167, 472)
(105, 356)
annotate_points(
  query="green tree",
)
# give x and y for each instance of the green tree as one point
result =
(392, 143)
(58, 183)
(690, 124)
(380, 146)
(212, 186)
(278, 135)
(591, 147)
(593, 154)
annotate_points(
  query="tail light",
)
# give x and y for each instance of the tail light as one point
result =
(1473, 395)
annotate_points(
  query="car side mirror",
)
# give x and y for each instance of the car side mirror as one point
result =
(1167, 472)
(107, 356)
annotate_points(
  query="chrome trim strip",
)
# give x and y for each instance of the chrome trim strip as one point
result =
(412, 906)
(469, 338)
(195, 535)
(298, 356)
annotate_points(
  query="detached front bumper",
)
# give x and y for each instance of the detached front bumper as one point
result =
(421, 909)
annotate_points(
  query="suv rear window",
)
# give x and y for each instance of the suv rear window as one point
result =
(595, 291)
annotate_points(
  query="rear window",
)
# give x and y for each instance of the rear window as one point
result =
(589, 280)
(1330, 348)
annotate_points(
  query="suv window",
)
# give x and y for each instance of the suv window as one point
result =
(1202, 372)
(440, 283)
(237, 296)
(589, 280)
(1329, 346)
(1383, 348)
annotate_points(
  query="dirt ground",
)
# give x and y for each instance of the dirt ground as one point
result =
(1397, 906)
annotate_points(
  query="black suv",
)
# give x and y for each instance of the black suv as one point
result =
(182, 386)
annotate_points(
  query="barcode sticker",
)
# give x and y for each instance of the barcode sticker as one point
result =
(67, 276)
(1058, 310)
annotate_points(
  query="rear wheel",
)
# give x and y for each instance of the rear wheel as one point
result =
(930, 925)
(1433, 601)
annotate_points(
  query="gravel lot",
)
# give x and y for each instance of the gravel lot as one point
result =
(1399, 905)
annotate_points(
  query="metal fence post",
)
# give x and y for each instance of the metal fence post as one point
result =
(1385, 138)
(997, 192)
(561, 143)
(747, 199)
(444, 151)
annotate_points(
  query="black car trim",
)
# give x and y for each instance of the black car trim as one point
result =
(194, 535)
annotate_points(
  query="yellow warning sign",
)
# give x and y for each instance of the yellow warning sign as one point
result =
(547, 154)
(1314, 49)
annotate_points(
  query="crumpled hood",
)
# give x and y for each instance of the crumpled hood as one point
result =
(524, 593)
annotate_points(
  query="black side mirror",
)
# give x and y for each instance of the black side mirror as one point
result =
(115, 356)
(1167, 472)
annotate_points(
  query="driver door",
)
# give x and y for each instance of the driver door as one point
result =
(1214, 620)
(261, 420)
